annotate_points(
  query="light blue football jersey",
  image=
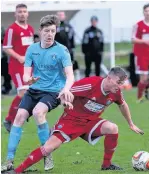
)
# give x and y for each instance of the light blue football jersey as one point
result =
(48, 64)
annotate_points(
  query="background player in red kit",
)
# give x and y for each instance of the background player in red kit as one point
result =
(140, 39)
(17, 39)
(91, 96)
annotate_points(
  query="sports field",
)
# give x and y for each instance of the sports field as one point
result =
(67, 161)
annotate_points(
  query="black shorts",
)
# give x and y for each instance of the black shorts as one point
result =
(32, 97)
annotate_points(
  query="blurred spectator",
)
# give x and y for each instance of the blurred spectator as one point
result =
(36, 38)
(65, 35)
(17, 38)
(4, 67)
(93, 46)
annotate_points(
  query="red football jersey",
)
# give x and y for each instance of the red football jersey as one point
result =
(141, 31)
(17, 38)
(90, 99)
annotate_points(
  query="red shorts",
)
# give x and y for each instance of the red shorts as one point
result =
(142, 64)
(17, 78)
(69, 128)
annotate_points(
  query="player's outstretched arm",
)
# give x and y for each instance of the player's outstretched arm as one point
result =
(126, 113)
(27, 78)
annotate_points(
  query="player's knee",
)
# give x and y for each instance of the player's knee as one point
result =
(51, 146)
(144, 79)
(38, 115)
(19, 119)
(113, 128)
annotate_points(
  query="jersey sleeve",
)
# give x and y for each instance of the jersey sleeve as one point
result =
(9, 38)
(83, 87)
(66, 59)
(119, 98)
(28, 57)
(136, 33)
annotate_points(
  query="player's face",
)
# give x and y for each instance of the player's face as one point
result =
(47, 34)
(115, 83)
(94, 23)
(21, 14)
(146, 13)
(61, 16)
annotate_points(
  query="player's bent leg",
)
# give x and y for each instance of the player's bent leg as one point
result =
(36, 155)
(110, 131)
(39, 113)
(14, 138)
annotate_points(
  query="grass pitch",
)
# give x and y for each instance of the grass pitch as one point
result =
(67, 160)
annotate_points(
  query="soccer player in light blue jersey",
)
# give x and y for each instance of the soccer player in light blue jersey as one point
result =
(52, 78)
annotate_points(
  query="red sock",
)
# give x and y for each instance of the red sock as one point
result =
(33, 158)
(141, 89)
(110, 144)
(13, 109)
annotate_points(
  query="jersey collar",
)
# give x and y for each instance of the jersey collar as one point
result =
(24, 27)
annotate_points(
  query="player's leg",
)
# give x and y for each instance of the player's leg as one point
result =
(65, 130)
(46, 104)
(25, 109)
(97, 129)
(52, 144)
(142, 70)
(142, 85)
(17, 78)
(14, 138)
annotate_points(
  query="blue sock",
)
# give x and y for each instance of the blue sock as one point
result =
(14, 138)
(43, 132)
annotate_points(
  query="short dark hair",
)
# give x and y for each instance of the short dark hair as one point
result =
(145, 6)
(49, 20)
(119, 72)
(21, 6)
(36, 36)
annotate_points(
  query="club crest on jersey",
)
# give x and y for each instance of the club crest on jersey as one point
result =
(54, 56)
(60, 126)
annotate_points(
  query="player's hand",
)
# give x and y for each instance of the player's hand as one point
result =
(21, 59)
(33, 80)
(136, 129)
(65, 103)
(68, 104)
(68, 96)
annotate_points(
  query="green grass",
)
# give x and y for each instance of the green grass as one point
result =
(90, 158)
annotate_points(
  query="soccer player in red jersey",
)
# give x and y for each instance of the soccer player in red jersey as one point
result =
(17, 38)
(140, 39)
(82, 118)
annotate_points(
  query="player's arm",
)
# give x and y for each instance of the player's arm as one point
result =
(68, 70)
(8, 45)
(136, 36)
(124, 108)
(27, 76)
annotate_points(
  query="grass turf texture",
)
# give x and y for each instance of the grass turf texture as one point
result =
(90, 158)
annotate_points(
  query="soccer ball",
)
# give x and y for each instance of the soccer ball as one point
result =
(140, 161)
